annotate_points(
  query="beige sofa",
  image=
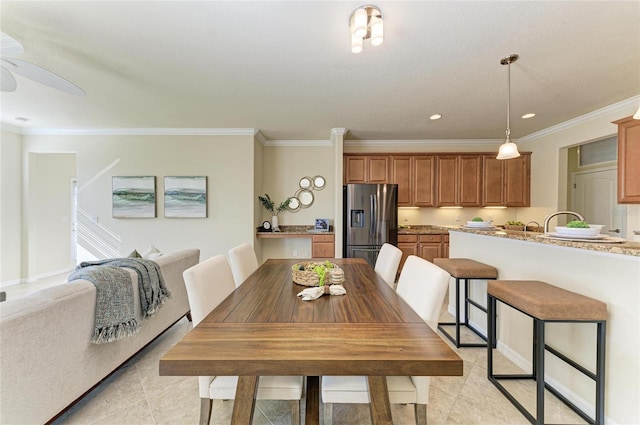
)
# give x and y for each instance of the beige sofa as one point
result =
(46, 359)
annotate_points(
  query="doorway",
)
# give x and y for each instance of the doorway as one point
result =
(594, 195)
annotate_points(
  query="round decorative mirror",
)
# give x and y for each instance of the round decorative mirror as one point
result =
(305, 197)
(294, 204)
(305, 183)
(318, 182)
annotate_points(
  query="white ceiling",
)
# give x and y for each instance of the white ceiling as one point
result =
(285, 67)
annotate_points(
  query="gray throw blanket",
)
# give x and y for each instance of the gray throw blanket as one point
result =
(115, 315)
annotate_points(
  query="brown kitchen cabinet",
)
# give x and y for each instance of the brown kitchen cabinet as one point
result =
(414, 176)
(506, 182)
(425, 246)
(628, 160)
(458, 180)
(401, 174)
(423, 181)
(430, 246)
(322, 246)
(408, 244)
(366, 168)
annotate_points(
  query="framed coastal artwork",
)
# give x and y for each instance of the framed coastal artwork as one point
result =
(185, 196)
(133, 196)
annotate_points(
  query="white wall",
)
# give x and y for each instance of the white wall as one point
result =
(10, 207)
(227, 161)
(283, 167)
(549, 162)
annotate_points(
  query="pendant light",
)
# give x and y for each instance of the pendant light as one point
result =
(508, 149)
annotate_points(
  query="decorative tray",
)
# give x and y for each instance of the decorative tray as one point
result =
(314, 273)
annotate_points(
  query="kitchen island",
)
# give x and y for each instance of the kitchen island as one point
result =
(606, 272)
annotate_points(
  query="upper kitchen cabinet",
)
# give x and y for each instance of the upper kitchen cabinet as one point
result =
(628, 160)
(414, 175)
(401, 174)
(506, 182)
(458, 180)
(366, 168)
(424, 171)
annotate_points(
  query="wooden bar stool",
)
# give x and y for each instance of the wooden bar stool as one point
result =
(547, 303)
(464, 269)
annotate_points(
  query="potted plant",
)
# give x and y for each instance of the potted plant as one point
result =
(270, 206)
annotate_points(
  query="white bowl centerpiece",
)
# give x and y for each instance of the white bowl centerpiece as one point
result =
(479, 222)
(579, 228)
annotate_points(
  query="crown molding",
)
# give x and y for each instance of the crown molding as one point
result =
(620, 107)
(260, 137)
(137, 131)
(339, 131)
(298, 143)
(425, 142)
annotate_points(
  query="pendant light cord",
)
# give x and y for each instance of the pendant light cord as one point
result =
(508, 131)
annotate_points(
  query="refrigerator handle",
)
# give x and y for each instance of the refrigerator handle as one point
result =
(372, 221)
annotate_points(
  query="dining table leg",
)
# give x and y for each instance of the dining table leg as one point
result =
(245, 401)
(380, 406)
(312, 413)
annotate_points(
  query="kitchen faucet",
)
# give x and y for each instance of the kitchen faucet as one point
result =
(550, 216)
(525, 226)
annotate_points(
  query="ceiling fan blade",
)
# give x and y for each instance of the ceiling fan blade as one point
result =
(7, 80)
(41, 75)
(9, 46)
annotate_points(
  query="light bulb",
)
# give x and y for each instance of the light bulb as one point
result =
(356, 44)
(360, 23)
(376, 31)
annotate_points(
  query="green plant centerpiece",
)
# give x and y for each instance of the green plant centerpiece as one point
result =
(578, 224)
(477, 219)
(269, 205)
(312, 273)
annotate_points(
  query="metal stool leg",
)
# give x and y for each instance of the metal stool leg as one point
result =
(457, 312)
(491, 333)
(538, 362)
(600, 357)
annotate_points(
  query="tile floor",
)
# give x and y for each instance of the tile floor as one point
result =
(137, 395)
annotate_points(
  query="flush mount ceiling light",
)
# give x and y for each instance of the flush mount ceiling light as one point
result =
(508, 149)
(529, 115)
(365, 22)
(435, 117)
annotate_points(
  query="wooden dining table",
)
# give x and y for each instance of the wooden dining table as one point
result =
(263, 328)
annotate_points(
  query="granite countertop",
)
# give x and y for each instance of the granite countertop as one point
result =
(295, 230)
(423, 230)
(622, 248)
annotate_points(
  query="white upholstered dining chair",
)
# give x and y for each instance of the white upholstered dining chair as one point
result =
(423, 286)
(243, 262)
(208, 284)
(388, 262)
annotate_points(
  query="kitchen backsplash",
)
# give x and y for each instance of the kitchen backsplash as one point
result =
(453, 216)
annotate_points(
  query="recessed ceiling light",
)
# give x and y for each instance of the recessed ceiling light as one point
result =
(24, 119)
(435, 117)
(529, 115)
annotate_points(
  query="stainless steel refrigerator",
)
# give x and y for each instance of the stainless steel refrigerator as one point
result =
(370, 219)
